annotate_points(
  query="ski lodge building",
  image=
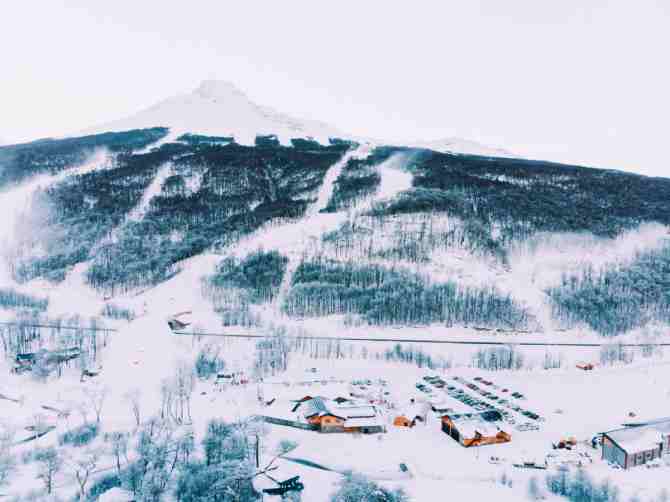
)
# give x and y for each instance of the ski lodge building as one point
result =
(329, 416)
(637, 444)
(476, 429)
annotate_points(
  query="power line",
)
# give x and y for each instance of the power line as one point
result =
(358, 339)
(431, 341)
(56, 326)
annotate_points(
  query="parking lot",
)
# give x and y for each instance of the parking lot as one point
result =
(483, 396)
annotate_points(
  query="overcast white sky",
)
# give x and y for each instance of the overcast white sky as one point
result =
(568, 80)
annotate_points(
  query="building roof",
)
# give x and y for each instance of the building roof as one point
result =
(320, 406)
(317, 407)
(486, 423)
(641, 438)
(363, 422)
(356, 411)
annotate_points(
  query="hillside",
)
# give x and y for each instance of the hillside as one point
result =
(426, 280)
(340, 231)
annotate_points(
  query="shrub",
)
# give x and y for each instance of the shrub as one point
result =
(80, 436)
(11, 299)
(102, 485)
(260, 274)
(116, 312)
(354, 487)
(208, 362)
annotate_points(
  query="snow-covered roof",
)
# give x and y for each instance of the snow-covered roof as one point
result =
(355, 411)
(486, 424)
(642, 438)
(316, 407)
(320, 406)
(363, 422)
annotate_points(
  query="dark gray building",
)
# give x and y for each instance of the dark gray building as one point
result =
(638, 444)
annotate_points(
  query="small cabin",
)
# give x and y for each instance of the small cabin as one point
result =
(403, 421)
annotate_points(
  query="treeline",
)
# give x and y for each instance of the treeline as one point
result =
(48, 337)
(232, 305)
(117, 312)
(199, 139)
(82, 210)
(412, 355)
(578, 486)
(385, 296)
(617, 299)
(524, 197)
(238, 190)
(18, 162)
(241, 188)
(12, 300)
(237, 284)
(259, 273)
(500, 358)
(410, 238)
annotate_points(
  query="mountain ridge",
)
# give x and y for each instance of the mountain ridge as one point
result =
(220, 108)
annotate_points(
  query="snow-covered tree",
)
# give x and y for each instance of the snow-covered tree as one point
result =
(49, 463)
(356, 488)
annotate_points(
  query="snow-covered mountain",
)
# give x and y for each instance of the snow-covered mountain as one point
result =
(479, 241)
(219, 108)
(460, 145)
(355, 252)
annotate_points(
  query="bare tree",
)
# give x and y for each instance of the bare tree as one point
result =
(96, 399)
(534, 491)
(134, 397)
(176, 394)
(49, 463)
(7, 460)
(83, 469)
(184, 385)
(167, 396)
(119, 449)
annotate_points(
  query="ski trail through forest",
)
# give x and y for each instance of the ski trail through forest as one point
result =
(16, 203)
(302, 238)
(170, 137)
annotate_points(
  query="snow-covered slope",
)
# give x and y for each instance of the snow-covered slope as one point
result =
(460, 145)
(218, 108)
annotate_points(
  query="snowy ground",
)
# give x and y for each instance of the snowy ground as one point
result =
(579, 404)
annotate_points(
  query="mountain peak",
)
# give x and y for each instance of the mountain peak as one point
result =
(220, 108)
(219, 89)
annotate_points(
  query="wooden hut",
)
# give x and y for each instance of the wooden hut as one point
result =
(402, 421)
